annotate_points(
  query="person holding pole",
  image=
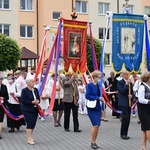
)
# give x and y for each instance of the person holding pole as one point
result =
(70, 100)
(125, 95)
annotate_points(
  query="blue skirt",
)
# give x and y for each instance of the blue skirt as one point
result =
(95, 116)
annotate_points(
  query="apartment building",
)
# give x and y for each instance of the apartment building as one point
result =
(24, 20)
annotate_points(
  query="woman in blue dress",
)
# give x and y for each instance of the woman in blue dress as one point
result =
(29, 100)
(93, 93)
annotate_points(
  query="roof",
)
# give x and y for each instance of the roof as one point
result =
(27, 54)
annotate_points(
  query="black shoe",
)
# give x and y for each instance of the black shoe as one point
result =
(0, 137)
(77, 130)
(67, 130)
(125, 137)
(11, 130)
(94, 146)
(18, 128)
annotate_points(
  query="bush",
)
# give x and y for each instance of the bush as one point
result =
(9, 53)
(98, 49)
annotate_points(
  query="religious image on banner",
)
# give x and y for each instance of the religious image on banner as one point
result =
(127, 41)
(74, 45)
(74, 48)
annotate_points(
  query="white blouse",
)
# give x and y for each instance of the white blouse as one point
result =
(141, 94)
(12, 88)
(59, 94)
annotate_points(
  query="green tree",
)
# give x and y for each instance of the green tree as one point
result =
(98, 49)
(9, 53)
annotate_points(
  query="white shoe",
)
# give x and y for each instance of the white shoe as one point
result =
(82, 113)
(42, 119)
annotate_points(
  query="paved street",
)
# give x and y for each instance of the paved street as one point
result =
(48, 137)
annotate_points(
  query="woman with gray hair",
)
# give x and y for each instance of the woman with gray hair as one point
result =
(30, 99)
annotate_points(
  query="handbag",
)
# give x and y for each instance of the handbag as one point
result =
(91, 103)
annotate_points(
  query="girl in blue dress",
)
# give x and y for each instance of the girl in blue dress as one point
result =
(93, 93)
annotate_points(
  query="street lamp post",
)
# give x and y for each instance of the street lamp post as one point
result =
(126, 9)
(117, 6)
(126, 2)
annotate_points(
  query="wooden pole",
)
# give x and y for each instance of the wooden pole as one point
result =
(129, 91)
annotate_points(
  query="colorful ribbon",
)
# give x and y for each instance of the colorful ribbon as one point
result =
(94, 60)
(42, 55)
(56, 68)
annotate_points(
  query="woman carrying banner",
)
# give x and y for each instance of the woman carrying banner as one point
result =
(58, 105)
(93, 93)
(30, 99)
(3, 99)
(144, 108)
(14, 105)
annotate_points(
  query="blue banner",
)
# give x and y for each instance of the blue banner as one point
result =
(127, 41)
(147, 43)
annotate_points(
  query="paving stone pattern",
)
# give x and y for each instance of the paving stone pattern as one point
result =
(48, 137)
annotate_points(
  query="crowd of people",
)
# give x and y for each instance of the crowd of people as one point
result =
(19, 93)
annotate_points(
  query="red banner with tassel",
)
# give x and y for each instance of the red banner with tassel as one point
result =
(75, 45)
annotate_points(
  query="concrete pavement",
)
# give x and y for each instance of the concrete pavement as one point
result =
(48, 137)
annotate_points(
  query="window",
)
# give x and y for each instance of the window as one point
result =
(4, 4)
(26, 31)
(56, 15)
(107, 59)
(102, 33)
(31, 62)
(81, 6)
(147, 10)
(103, 8)
(4, 29)
(26, 4)
(130, 9)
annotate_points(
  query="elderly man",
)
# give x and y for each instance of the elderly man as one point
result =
(3, 99)
(70, 101)
(125, 94)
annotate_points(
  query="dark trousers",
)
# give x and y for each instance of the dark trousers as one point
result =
(126, 111)
(67, 110)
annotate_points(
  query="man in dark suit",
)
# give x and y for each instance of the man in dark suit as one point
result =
(112, 83)
(70, 101)
(124, 97)
(3, 99)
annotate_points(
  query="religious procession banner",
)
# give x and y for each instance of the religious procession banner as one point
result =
(127, 41)
(75, 45)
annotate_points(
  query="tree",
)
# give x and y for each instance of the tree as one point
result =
(10, 53)
(98, 49)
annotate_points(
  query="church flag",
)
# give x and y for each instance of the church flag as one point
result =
(74, 33)
(127, 41)
(147, 44)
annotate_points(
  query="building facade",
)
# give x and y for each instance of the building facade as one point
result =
(24, 20)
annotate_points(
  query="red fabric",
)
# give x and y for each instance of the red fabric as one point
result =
(75, 45)
(16, 99)
(42, 56)
(40, 111)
